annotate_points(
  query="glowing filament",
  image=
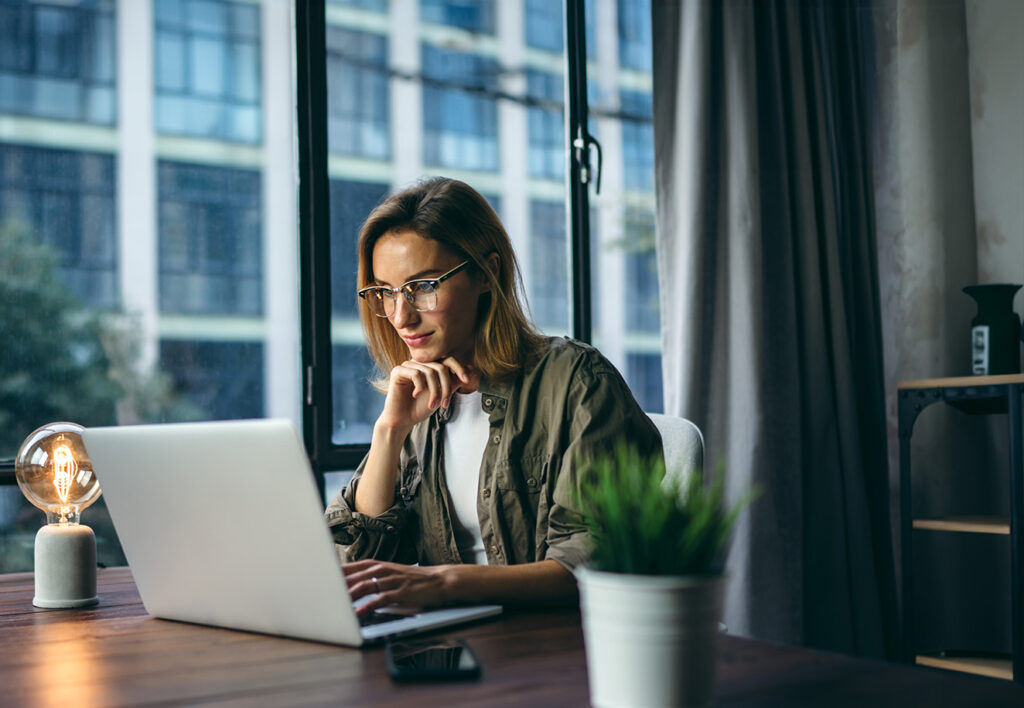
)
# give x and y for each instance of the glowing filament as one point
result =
(64, 468)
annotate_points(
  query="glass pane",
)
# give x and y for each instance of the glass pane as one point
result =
(207, 68)
(470, 92)
(143, 279)
(625, 293)
(56, 61)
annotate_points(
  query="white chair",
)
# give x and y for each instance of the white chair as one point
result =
(682, 444)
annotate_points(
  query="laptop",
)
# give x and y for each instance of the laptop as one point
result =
(222, 525)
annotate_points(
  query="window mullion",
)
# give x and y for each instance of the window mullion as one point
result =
(578, 151)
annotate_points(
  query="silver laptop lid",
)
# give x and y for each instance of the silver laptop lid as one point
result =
(221, 524)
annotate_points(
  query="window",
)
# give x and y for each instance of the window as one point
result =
(210, 258)
(547, 126)
(637, 140)
(471, 15)
(357, 93)
(356, 403)
(549, 294)
(166, 292)
(489, 100)
(221, 380)
(643, 374)
(641, 286)
(57, 60)
(460, 119)
(350, 203)
(207, 67)
(635, 35)
(65, 199)
(545, 26)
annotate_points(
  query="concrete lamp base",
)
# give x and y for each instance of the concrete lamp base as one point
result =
(65, 569)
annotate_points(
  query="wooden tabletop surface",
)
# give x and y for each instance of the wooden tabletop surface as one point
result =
(116, 655)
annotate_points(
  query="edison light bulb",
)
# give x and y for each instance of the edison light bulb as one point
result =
(54, 473)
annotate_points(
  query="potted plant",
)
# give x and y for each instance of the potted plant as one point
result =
(651, 594)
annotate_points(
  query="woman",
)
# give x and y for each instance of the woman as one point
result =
(486, 423)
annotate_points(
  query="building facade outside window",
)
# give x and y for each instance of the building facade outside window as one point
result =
(207, 65)
(210, 245)
(57, 60)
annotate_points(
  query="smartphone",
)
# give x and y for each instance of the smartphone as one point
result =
(432, 660)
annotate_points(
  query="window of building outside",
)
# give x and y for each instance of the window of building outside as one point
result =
(208, 69)
(149, 259)
(57, 60)
(210, 257)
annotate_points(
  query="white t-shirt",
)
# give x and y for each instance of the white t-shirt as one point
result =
(465, 439)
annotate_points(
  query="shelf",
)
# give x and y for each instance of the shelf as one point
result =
(962, 381)
(966, 524)
(983, 666)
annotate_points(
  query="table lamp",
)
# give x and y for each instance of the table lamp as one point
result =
(54, 473)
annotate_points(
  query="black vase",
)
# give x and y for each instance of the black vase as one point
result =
(995, 330)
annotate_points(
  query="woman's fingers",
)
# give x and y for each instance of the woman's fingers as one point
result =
(467, 376)
(434, 377)
(393, 583)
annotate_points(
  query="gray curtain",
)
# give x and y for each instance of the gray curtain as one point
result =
(771, 330)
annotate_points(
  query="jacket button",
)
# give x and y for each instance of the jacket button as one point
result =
(496, 439)
(494, 550)
(488, 402)
(403, 491)
(532, 482)
(487, 493)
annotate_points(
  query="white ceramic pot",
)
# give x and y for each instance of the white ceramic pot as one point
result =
(650, 640)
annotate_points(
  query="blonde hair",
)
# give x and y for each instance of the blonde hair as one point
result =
(458, 217)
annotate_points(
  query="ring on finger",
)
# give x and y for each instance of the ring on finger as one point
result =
(376, 584)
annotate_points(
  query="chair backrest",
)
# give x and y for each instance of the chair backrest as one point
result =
(682, 444)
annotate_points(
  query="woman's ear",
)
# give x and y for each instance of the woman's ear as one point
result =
(492, 262)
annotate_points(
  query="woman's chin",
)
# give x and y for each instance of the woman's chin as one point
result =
(424, 355)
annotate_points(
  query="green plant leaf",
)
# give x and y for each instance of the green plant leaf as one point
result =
(641, 523)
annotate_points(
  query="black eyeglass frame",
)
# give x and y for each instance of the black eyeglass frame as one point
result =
(406, 289)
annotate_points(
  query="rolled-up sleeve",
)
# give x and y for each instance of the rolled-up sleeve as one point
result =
(387, 536)
(603, 413)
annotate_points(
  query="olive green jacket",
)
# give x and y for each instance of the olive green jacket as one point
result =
(568, 406)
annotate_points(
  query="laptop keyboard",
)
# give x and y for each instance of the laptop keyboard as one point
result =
(372, 618)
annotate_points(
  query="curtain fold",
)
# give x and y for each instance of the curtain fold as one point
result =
(771, 329)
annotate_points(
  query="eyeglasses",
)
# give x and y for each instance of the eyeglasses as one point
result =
(420, 294)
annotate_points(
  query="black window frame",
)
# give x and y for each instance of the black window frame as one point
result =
(314, 222)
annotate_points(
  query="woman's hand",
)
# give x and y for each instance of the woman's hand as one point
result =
(539, 583)
(416, 389)
(396, 584)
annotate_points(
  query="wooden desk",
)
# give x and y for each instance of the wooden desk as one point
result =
(117, 655)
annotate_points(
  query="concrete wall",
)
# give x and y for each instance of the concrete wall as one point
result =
(996, 65)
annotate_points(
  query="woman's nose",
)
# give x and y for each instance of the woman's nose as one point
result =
(404, 313)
